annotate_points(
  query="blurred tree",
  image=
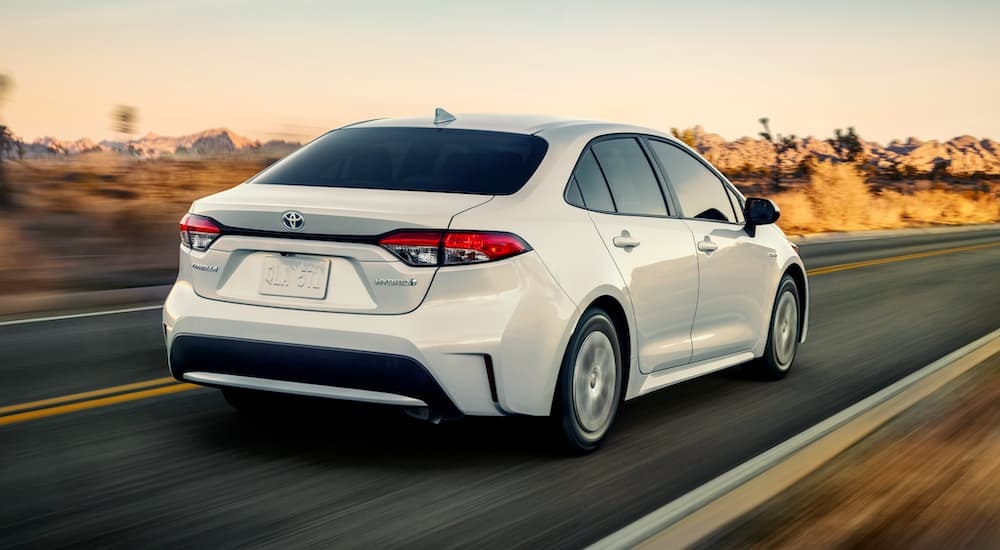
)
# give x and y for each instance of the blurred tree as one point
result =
(807, 166)
(782, 145)
(123, 120)
(847, 145)
(940, 170)
(686, 135)
(893, 173)
(9, 144)
(6, 83)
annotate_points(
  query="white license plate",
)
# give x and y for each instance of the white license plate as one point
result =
(295, 277)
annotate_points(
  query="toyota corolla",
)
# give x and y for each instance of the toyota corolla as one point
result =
(483, 265)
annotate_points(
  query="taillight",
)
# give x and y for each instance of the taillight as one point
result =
(414, 247)
(433, 248)
(199, 232)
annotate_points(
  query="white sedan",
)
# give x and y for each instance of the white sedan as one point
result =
(483, 265)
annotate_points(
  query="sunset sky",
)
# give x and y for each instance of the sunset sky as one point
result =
(292, 69)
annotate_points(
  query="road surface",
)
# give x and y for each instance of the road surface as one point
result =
(183, 470)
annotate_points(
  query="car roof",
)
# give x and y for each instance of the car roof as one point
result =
(513, 123)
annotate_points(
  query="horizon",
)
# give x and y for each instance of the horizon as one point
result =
(896, 70)
(154, 134)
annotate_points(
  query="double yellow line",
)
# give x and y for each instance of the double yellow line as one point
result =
(12, 414)
(894, 259)
(103, 397)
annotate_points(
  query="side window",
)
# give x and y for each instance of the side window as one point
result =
(630, 177)
(737, 204)
(573, 195)
(702, 195)
(592, 187)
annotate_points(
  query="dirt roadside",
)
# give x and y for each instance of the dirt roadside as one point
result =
(930, 478)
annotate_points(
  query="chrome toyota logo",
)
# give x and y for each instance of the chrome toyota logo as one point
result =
(293, 220)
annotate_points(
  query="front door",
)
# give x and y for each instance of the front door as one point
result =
(734, 268)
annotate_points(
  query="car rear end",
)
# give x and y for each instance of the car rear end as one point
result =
(336, 273)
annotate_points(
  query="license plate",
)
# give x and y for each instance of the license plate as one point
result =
(294, 277)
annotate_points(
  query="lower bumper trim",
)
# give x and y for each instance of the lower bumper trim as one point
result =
(299, 388)
(332, 372)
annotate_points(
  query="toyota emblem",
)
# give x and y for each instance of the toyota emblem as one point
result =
(293, 220)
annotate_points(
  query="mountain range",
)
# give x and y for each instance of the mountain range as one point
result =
(960, 156)
(213, 142)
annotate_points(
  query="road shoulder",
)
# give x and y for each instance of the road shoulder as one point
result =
(930, 478)
(712, 507)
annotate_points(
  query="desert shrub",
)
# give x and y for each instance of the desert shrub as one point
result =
(839, 197)
(950, 207)
(796, 212)
(886, 210)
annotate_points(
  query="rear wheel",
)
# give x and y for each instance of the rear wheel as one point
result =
(589, 388)
(783, 333)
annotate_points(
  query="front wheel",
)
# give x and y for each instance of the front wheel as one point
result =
(783, 333)
(590, 380)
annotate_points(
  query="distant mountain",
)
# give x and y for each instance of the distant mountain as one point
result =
(48, 146)
(209, 143)
(960, 156)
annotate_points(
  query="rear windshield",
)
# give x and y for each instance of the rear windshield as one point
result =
(413, 159)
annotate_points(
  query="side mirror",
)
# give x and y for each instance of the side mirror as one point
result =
(759, 212)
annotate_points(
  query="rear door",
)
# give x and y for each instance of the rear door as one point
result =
(653, 252)
(734, 267)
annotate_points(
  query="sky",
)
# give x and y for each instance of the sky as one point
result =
(293, 69)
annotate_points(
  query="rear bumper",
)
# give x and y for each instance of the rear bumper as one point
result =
(487, 340)
(307, 370)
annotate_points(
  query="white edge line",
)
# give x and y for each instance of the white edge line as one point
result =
(77, 315)
(689, 503)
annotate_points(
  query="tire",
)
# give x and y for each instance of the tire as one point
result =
(782, 335)
(589, 389)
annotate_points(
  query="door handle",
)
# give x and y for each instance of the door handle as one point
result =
(707, 245)
(625, 240)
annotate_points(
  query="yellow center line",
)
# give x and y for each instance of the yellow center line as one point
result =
(94, 403)
(95, 399)
(893, 259)
(85, 395)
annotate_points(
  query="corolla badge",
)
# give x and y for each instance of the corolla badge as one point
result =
(293, 220)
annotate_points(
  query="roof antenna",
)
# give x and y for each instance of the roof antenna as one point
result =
(441, 116)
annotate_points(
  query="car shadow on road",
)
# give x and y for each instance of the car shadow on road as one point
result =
(359, 434)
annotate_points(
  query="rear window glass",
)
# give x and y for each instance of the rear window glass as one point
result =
(413, 159)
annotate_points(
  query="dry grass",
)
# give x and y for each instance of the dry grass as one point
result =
(105, 221)
(928, 479)
(101, 220)
(838, 198)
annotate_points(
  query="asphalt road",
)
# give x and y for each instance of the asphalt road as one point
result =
(183, 470)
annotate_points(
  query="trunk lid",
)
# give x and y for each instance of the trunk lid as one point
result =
(333, 262)
(334, 211)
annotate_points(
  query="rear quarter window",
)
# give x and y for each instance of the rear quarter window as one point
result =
(592, 186)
